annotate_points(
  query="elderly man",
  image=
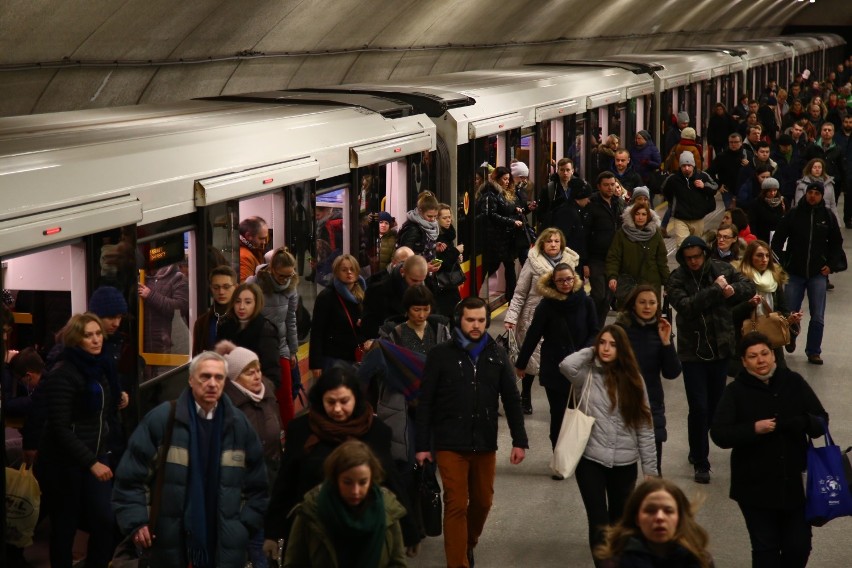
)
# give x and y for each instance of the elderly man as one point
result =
(384, 300)
(214, 487)
(254, 235)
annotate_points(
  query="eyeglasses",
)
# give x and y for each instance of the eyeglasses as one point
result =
(724, 237)
(221, 287)
(563, 281)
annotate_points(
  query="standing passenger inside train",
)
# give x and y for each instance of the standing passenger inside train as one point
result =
(254, 234)
(548, 252)
(222, 282)
(450, 254)
(387, 239)
(336, 328)
(279, 283)
(247, 327)
(164, 293)
(499, 221)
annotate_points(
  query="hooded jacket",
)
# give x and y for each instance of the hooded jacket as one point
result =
(279, 306)
(527, 295)
(566, 323)
(812, 239)
(646, 261)
(828, 196)
(704, 319)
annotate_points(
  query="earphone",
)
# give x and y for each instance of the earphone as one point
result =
(467, 303)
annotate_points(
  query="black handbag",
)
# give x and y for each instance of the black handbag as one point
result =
(429, 504)
(452, 278)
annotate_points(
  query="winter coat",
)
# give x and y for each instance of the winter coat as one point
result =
(835, 162)
(685, 145)
(787, 173)
(201, 332)
(813, 240)
(169, 293)
(829, 197)
(527, 296)
(726, 168)
(496, 215)
(552, 198)
(645, 160)
(747, 173)
(332, 336)
(413, 236)
(636, 554)
(612, 442)
(263, 416)
(280, 307)
(259, 336)
(602, 156)
(572, 220)
(301, 471)
(386, 246)
(629, 180)
(764, 218)
(719, 128)
(459, 400)
(447, 298)
(243, 486)
(561, 325)
(689, 203)
(249, 261)
(646, 261)
(766, 469)
(704, 319)
(383, 300)
(312, 545)
(655, 360)
(604, 222)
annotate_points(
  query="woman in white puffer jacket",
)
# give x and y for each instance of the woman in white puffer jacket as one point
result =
(623, 432)
(549, 250)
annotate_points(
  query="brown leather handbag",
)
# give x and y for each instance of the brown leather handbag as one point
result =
(771, 324)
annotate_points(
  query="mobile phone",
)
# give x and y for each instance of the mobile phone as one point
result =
(436, 261)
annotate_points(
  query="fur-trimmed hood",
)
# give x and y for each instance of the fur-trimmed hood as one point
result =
(547, 291)
(627, 219)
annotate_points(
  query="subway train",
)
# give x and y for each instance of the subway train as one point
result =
(155, 193)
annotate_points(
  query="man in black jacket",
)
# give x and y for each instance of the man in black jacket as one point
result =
(726, 169)
(384, 300)
(810, 246)
(825, 148)
(604, 220)
(558, 193)
(463, 383)
(692, 195)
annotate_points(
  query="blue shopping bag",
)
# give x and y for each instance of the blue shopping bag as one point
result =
(827, 492)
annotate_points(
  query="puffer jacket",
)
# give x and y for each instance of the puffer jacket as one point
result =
(169, 293)
(526, 296)
(459, 400)
(561, 324)
(279, 306)
(242, 480)
(386, 245)
(264, 417)
(813, 240)
(612, 442)
(497, 216)
(655, 360)
(637, 554)
(312, 545)
(829, 196)
(646, 261)
(646, 159)
(704, 319)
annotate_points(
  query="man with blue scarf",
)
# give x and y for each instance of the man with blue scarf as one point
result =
(214, 491)
(463, 383)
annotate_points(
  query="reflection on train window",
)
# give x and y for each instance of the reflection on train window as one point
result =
(422, 175)
(329, 215)
(223, 227)
(163, 289)
(299, 229)
(371, 200)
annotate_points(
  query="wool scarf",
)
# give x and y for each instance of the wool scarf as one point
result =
(553, 260)
(95, 368)
(254, 396)
(473, 348)
(430, 227)
(358, 533)
(202, 502)
(765, 281)
(346, 293)
(324, 429)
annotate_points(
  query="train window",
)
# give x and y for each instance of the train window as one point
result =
(330, 216)
(223, 244)
(422, 174)
(372, 199)
(163, 309)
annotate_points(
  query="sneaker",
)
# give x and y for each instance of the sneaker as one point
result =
(829, 285)
(702, 475)
(526, 404)
(815, 359)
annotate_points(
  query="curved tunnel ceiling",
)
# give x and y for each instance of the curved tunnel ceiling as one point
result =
(73, 54)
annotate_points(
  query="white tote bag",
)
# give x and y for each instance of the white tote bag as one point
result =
(574, 434)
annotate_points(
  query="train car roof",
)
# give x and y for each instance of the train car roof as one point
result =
(828, 39)
(759, 52)
(160, 161)
(683, 67)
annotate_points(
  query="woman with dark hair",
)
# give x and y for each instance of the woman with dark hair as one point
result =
(419, 331)
(246, 326)
(622, 434)
(658, 528)
(450, 255)
(566, 319)
(338, 412)
(348, 520)
(82, 396)
(498, 220)
(764, 417)
(651, 338)
(336, 326)
(725, 245)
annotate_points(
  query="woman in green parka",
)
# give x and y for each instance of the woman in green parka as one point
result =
(349, 520)
(637, 254)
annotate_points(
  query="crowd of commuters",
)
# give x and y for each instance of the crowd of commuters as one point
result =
(405, 372)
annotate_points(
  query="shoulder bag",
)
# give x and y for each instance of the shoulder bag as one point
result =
(127, 555)
(772, 324)
(452, 278)
(574, 433)
(358, 356)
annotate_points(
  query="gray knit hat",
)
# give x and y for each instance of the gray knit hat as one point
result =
(770, 183)
(683, 116)
(641, 190)
(686, 159)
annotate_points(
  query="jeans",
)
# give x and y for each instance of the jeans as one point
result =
(779, 538)
(815, 286)
(667, 216)
(604, 491)
(468, 480)
(704, 382)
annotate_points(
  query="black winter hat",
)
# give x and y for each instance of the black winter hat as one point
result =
(107, 301)
(583, 192)
(817, 185)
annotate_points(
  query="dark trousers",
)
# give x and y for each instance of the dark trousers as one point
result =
(507, 258)
(704, 382)
(601, 294)
(558, 401)
(77, 498)
(779, 538)
(604, 491)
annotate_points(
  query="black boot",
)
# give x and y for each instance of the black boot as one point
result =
(526, 393)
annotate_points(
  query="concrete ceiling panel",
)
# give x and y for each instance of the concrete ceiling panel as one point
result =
(21, 90)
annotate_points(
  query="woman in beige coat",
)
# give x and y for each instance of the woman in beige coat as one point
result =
(549, 250)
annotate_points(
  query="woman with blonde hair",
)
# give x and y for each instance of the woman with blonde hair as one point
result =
(336, 326)
(622, 435)
(548, 252)
(658, 528)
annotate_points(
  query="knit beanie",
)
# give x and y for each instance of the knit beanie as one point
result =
(520, 169)
(386, 217)
(683, 116)
(770, 183)
(686, 159)
(238, 358)
(817, 185)
(688, 133)
(644, 134)
(107, 301)
(641, 190)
